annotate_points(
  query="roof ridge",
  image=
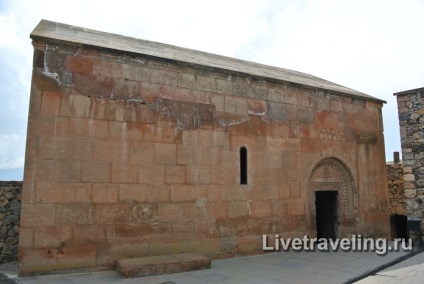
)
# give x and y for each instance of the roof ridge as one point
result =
(78, 35)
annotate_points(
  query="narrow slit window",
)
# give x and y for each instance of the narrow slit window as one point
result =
(243, 165)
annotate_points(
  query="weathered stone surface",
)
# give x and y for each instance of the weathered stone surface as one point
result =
(156, 265)
(10, 220)
(410, 108)
(396, 189)
(409, 177)
(144, 151)
(410, 193)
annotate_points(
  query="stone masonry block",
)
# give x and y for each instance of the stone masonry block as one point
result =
(190, 212)
(302, 100)
(157, 134)
(88, 234)
(217, 210)
(221, 175)
(256, 107)
(236, 105)
(218, 101)
(45, 260)
(81, 149)
(76, 257)
(124, 172)
(75, 105)
(136, 73)
(107, 68)
(224, 86)
(198, 174)
(186, 80)
(279, 207)
(261, 209)
(26, 237)
(124, 88)
(50, 103)
(104, 193)
(276, 95)
(141, 152)
(38, 215)
(111, 214)
(163, 77)
(47, 237)
(305, 115)
(93, 86)
(336, 105)
(182, 193)
(185, 154)
(238, 209)
(277, 111)
(74, 214)
(245, 88)
(169, 212)
(57, 171)
(96, 171)
(206, 155)
(132, 131)
(52, 192)
(82, 127)
(137, 193)
(57, 148)
(104, 150)
(151, 174)
(206, 83)
(295, 206)
(216, 138)
(175, 174)
(165, 153)
(79, 64)
(320, 103)
(47, 125)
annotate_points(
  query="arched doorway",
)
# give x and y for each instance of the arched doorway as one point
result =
(332, 200)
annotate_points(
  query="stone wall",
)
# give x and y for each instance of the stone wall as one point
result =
(133, 155)
(397, 198)
(10, 211)
(411, 121)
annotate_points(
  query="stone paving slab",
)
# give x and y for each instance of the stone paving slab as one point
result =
(410, 270)
(278, 267)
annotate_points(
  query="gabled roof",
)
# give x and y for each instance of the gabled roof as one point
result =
(58, 32)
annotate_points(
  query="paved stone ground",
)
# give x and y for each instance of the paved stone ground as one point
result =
(281, 267)
(410, 270)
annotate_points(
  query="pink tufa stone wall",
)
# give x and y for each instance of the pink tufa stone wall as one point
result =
(135, 156)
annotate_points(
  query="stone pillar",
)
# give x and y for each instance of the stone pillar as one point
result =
(411, 122)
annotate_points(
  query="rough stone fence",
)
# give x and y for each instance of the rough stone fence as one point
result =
(395, 181)
(10, 211)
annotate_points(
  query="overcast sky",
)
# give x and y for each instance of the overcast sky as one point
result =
(375, 47)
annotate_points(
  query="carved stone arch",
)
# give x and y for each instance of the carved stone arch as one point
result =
(332, 174)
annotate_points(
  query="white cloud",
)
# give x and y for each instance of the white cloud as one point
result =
(12, 151)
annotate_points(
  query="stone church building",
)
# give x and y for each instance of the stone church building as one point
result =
(138, 148)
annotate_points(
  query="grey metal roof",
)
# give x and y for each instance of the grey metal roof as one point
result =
(81, 36)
